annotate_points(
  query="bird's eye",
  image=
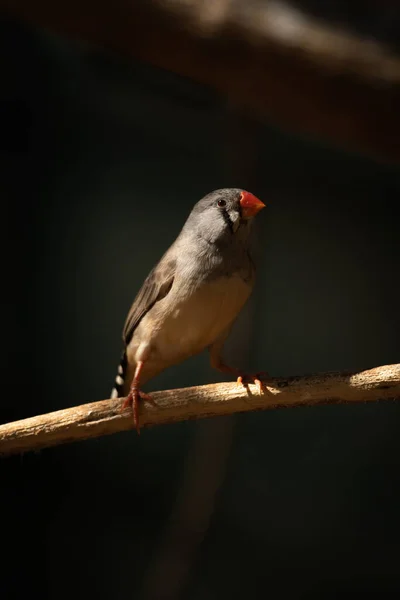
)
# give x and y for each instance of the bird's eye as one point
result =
(221, 203)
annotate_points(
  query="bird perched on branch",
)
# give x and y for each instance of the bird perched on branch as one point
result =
(191, 298)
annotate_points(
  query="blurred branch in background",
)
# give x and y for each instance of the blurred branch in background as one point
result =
(277, 61)
(171, 565)
(172, 562)
(105, 417)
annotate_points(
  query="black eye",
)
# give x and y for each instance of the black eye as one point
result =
(221, 203)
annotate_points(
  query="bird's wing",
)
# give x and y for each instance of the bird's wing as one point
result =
(155, 287)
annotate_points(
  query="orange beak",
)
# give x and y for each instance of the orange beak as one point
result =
(250, 205)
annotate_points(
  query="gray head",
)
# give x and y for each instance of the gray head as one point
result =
(224, 215)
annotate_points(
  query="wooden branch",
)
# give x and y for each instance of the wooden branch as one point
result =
(278, 62)
(105, 417)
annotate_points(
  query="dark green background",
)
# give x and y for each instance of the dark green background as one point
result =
(102, 160)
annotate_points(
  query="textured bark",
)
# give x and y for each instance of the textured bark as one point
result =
(279, 63)
(105, 417)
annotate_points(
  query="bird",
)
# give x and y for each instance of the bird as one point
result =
(191, 298)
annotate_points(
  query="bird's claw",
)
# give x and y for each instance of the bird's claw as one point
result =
(259, 379)
(132, 399)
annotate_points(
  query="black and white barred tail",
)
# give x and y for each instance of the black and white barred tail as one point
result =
(118, 389)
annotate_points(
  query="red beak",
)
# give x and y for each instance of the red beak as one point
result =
(250, 205)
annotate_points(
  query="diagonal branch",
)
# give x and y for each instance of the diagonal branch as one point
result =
(305, 74)
(105, 417)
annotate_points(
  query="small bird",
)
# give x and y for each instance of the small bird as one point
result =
(191, 298)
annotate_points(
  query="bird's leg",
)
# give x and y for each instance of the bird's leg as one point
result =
(217, 363)
(259, 379)
(135, 393)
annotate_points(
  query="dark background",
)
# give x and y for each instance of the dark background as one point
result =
(102, 160)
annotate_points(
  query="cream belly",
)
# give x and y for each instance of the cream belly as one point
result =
(196, 323)
(176, 331)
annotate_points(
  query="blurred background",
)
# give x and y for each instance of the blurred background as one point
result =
(103, 155)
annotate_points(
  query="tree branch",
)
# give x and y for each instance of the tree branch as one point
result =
(278, 62)
(105, 417)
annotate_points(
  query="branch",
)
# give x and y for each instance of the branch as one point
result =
(276, 61)
(105, 417)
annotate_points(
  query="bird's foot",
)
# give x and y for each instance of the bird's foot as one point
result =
(260, 379)
(132, 399)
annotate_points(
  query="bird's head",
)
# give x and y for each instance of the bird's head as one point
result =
(224, 215)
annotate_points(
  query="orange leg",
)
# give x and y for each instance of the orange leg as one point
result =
(132, 398)
(258, 378)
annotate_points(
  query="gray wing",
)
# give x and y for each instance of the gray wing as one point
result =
(155, 287)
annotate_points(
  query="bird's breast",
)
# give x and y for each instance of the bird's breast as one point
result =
(192, 320)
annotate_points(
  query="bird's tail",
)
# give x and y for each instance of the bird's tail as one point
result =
(118, 389)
